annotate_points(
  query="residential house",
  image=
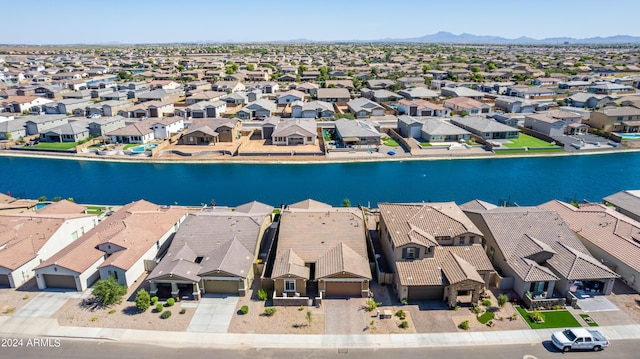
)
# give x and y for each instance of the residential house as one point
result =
(462, 91)
(13, 128)
(362, 107)
(10, 205)
(123, 246)
(431, 129)
(434, 252)
(213, 252)
(164, 85)
(228, 86)
(377, 84)
(356, 133)
(313, 109)
(203, 109)
(547, 81)
(333, 95)
(486, 128)
(380, 96)
(135, 132)
(610, 89)
(421, 108)
(411, 81)
(204, 96)
(321, 252)
(111, 108)
(531, 92)
(147, 109)
(29, 238)
(420, 92)
(100, 126)
(259, 109)
(542, 255)
(626, 202)
(468, 105)
(610, 236)
(161, 95)
(38, 124)
(65, 107)
(288, 97)
(235, 99)
(20, 104)
(545, 124)
(298, 131)
(211, 131)
(341, 84)
(72, 131)
(287, 78)
(165, 127)
(309, 88)
(80, 94)
(511, 104)
(121, 95)
(615, 119)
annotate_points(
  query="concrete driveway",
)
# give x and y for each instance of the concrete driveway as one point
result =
(596, 304)
(345, 316)
(46, 304)
(213, 314)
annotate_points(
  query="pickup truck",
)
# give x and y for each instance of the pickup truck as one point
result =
(579, 339)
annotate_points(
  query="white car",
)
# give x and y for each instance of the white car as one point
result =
(579, 339)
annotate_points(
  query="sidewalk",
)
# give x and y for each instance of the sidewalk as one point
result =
(47, 327)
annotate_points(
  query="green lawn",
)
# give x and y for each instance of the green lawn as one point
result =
(96, 209)
(552, 319)
(551, 150)
(425, 144)
(486, 317)
(54, 145)
(528, 141)
(126, 147)
(591, 323)
(388, 141)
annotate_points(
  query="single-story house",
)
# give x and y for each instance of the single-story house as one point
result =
(320, 252)
(589, 100)
(72, 131)
(380, 96)
(486, 128)
(291, 96)
(362, 107)
(421, 108)
(160, 95)
(466, 104)
(545, 124)
(298, 131)
(123, 245)
(333, 95)
(356, 132)
(531, 92)
(136, 132)
(259, 109)
(205, 96)
(419, 92)
(514, 104)
(626, 202)
(213, 252)
(434, 251)
(431, 129)
(211, 131)
(313, 109)
(462, 91)
(29, 238)
(203, 109)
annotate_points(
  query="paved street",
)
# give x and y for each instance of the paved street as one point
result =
(213, 314)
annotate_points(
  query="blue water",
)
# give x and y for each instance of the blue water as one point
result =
(629, 136)
(525, 181)
(142, 148)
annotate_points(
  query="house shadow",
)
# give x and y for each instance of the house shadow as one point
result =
(29, 286)
(431, 305)
(132, 310)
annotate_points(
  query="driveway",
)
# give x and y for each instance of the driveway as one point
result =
(213, 314)
(345, 316)
(46, 304)
(596, 304)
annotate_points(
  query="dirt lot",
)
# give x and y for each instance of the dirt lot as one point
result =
(124, 315)
(12, 299)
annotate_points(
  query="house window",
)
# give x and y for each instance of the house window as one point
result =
(199, 260)
(190, 139)
(289, 285)
(461, 240)
(113, 274)
(442, 238)
(491, 253)
(410, 253)
(428, 249)
(74, 235)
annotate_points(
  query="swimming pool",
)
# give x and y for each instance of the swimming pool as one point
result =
(141, 149)
(629, 136)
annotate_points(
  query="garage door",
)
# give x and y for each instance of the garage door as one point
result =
(4, 280)
(221, 286)
(342, 289)
(59, 281)
(426, 293)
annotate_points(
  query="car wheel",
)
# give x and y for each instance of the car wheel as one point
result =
(597, 348)
(566, 349)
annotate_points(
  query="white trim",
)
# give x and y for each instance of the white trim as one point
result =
(223, 278)
(289, 290)
(344, 279)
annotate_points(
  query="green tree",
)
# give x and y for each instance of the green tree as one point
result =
(346, 202)
(251, 67)
(180, 68)
(143, 300)
(42, 199)
(124, 75)
(302, 69)
(109, 291)
(56, 199)
(425, 68)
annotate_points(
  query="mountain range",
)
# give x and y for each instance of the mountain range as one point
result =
(465, 38)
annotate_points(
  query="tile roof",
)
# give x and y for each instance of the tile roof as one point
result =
(135, 227)
(626, 200)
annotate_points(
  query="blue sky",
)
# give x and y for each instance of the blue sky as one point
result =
(161, 21)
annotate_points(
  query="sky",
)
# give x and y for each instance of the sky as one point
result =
(162, 21)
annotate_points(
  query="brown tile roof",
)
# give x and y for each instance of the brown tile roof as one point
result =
(332, 238)
(63, 206)
(605, 228)
(136, 227)
(450, 264)
(421, 222)
(422, 104)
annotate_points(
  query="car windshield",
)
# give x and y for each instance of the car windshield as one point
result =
(569, 334)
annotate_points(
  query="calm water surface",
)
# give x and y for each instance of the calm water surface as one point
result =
(525, 181)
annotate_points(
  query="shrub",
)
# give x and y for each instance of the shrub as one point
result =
(486, 302)
(244, 309)
(154, 300)
(301, 308)
(464, 325)
(502, 300)
(401, 314)
(143, 300)
(183, 310)
(171, 302)
(372, 304)
(158, 307)
(536, 317)
(477, 309)
(404, 325)
(94, 319)
(112, 311)
(109, 291)
(10, 310)
(166, 314)
(456, 308)
(262, 294)
(269, 311)
(309, 317)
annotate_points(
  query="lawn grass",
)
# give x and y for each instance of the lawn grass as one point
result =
(126, 147)
(552, 319)
(96, 209)
(486, 317)
(592, 322)
(528, 141)
(425, 144)
(54, 145)
(388, 141)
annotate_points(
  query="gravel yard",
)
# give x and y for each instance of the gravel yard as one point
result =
(286, 320)
(12, 299)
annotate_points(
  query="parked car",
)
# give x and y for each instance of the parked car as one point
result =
(579, 339)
